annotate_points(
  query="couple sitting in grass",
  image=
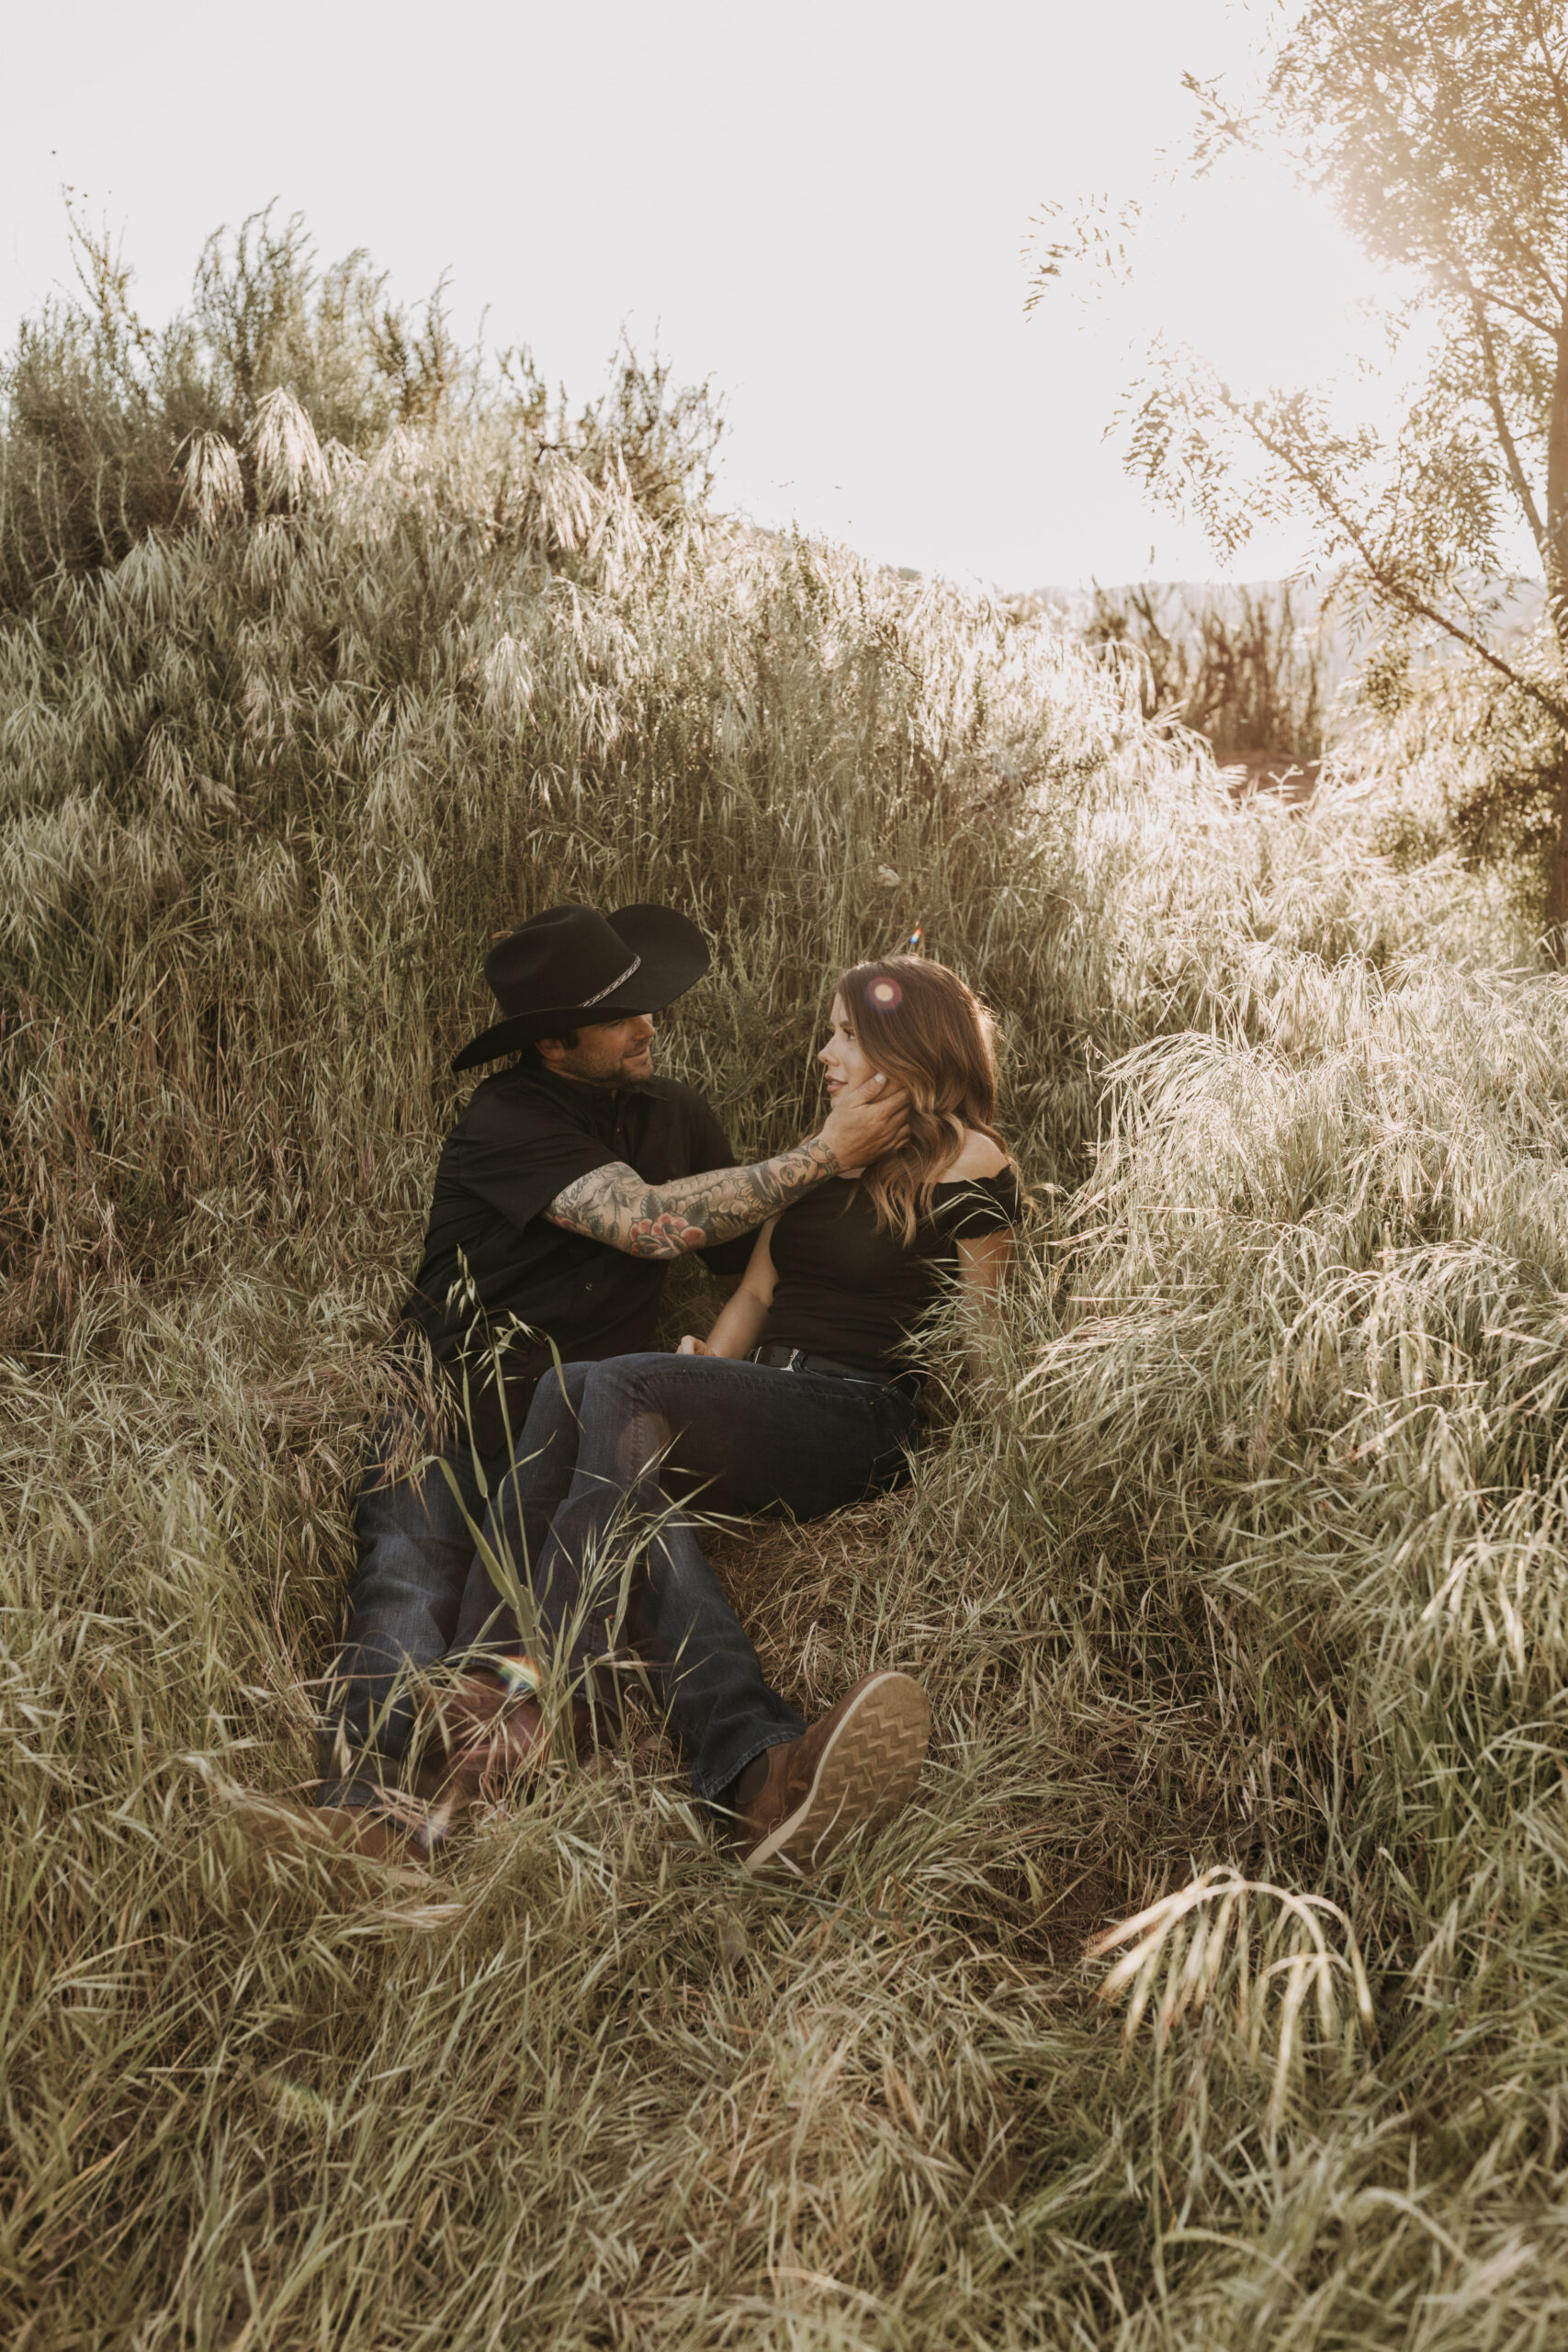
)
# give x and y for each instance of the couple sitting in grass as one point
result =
(544, 1550)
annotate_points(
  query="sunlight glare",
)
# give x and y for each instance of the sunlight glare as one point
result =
(1253, 272)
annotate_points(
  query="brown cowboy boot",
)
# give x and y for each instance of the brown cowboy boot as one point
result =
(492, 1731)
(393, 1831)
(854, 1769)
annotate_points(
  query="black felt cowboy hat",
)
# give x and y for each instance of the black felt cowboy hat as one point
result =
(570, 966)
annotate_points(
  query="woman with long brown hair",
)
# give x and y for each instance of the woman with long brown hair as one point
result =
(803, 1396)
(851, 1271)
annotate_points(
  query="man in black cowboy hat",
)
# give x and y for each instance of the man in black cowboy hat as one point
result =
(567, 1186)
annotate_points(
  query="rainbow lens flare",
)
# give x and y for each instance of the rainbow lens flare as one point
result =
(883, 996)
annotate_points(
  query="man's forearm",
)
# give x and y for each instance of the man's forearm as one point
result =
(619, 1207)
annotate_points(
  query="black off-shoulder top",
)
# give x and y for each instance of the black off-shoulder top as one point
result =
(849, 1291)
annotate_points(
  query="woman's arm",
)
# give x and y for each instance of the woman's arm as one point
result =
(982, 1268)
(735, 1333)
(982, 1262)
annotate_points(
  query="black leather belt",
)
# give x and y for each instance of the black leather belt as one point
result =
(783, 1359)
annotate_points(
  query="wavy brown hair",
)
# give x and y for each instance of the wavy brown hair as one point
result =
(925, 1027)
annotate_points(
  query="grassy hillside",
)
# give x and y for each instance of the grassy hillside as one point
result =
(1241, 1586)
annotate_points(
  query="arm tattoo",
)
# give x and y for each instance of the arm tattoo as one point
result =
(619, 1207)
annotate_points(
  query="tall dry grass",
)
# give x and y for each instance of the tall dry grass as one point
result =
(1248, 669)
(1239, 1590)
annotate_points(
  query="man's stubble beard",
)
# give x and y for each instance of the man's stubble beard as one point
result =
(609, 1081)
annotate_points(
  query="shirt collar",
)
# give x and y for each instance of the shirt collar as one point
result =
(571, 1090)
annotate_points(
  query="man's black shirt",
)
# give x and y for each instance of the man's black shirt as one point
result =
(492, 1260)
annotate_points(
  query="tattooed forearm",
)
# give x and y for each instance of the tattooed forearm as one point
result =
(617, 1207)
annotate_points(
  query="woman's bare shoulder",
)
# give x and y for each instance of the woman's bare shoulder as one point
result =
(979, 1157)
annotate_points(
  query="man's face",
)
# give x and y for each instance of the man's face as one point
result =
(607, 1053)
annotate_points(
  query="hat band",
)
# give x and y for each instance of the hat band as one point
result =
(618, 982)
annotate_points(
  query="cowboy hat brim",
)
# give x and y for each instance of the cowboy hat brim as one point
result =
(673, 956)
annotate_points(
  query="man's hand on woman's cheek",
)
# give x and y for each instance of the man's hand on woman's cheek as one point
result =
(867, 1121)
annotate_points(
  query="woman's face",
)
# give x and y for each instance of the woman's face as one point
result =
(844, 1058)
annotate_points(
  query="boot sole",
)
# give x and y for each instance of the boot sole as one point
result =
(865, 1774)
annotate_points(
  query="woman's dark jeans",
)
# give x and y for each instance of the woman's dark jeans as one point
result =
(611, 1562)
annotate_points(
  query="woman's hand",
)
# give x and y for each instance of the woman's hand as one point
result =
(691, 1346)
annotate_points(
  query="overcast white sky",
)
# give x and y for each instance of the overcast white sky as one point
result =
(822, 206)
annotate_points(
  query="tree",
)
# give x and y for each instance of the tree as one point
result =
(1438, 130)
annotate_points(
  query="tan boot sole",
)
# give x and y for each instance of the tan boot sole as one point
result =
(865, 1774)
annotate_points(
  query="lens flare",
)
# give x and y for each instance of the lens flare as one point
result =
(883, 996)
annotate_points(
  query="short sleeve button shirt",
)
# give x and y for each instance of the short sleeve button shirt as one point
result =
(492, 1260)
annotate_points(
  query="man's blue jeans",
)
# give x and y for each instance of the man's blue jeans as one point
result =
(414, 1548)
(611, 1562)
